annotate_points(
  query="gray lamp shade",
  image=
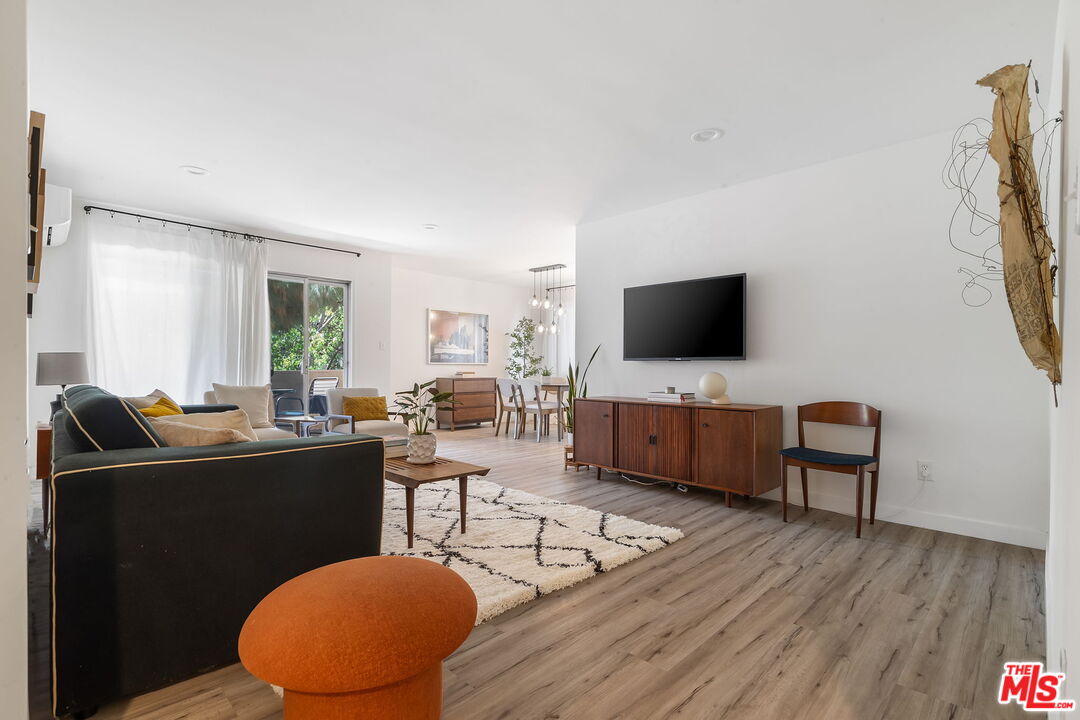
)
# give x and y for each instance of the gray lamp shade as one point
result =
(62, 368)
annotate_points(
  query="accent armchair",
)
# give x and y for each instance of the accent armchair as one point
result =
(339, 423)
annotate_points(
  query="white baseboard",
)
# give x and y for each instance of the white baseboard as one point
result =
(998, 532)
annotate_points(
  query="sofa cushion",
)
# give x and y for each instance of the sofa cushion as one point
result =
(254, 399)
(273, 433)
(381, 428)
(231, 419)
(372, 407)
(145, 401)
(181, 434)
(161, 408)
(99, 420)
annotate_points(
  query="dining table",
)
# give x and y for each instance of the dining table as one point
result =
(559, 389)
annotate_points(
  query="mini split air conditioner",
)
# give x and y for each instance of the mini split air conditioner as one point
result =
(57, 214)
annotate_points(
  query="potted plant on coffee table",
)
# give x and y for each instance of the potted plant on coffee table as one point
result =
(417, 408)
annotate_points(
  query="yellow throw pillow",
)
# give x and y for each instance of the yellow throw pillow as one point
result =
(365, 408)
(164, 406)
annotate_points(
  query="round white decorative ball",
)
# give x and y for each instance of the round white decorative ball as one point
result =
(713, 385)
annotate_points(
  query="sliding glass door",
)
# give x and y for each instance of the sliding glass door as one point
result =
(309, 331)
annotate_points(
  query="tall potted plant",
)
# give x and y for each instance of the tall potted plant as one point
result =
(417, 407)
(523, 361)
(576, 387)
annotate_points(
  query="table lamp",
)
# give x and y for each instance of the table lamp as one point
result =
(63, 369)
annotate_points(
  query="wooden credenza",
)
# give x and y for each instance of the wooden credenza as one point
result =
(735, 447)
(476, 396)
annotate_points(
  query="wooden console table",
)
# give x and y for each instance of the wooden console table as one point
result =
(476, 398)
(735, 448)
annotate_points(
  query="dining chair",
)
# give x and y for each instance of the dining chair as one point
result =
(540, 410)
(504, 388)
(804, 458)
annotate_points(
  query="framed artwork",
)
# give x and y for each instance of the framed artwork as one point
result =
(36, 140)
(457, 338)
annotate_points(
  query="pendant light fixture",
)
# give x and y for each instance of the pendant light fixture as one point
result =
(561, 310)
(546, 275)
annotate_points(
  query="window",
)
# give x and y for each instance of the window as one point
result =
(309, 326)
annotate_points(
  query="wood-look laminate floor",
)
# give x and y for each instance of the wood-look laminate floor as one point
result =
(743, 618)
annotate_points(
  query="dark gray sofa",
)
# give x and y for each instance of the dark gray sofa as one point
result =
(160, 553)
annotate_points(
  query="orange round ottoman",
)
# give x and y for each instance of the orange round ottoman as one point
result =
(362, 638)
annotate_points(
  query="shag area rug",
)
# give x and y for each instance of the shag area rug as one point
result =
(517, 546)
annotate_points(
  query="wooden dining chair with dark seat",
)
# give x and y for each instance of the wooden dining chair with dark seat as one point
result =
(805, 458)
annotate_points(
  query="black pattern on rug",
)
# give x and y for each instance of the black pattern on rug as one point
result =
(518, 546)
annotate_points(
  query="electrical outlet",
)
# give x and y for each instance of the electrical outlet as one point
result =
(924, 470)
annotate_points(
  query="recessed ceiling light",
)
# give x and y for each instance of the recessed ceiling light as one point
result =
(194, 170)
(707, 135)
(430, 226)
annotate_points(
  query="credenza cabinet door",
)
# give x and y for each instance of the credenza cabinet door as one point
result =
(672, 437)
(594, 432)
(724, 450)
(635, 449)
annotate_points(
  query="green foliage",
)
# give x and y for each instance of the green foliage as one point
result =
(326, 326)
(575, 378)
(523, 360)
(326, 340)
(417, 406)
(286, 349)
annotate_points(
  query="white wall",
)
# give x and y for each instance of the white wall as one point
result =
(59, 323)
(14, 485)
(414, 292)
(853, 294)
(1063, 550)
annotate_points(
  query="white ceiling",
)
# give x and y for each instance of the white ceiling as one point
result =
(506, 122)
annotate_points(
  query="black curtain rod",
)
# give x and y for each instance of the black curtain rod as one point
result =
(249, 236)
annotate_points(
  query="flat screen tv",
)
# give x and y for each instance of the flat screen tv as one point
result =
(702, 319)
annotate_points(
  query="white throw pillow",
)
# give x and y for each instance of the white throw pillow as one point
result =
(145, 401)
(230, 420)
(178, 434)
(253, 399)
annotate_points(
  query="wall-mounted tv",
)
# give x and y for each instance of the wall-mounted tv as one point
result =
(702, 319)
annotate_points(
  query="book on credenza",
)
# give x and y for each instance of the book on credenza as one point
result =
(671, 397)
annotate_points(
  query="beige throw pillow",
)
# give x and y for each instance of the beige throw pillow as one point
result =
(230, 420)
(178, 434)
(253, 399)
(145, 401)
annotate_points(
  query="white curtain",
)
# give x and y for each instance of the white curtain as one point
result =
(174, 308)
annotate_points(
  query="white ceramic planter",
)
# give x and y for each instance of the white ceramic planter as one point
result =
(570, 439)
(421, 449)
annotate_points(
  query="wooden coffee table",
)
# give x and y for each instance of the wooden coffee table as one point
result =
(412, 476)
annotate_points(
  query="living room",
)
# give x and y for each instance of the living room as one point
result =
(515, 360)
